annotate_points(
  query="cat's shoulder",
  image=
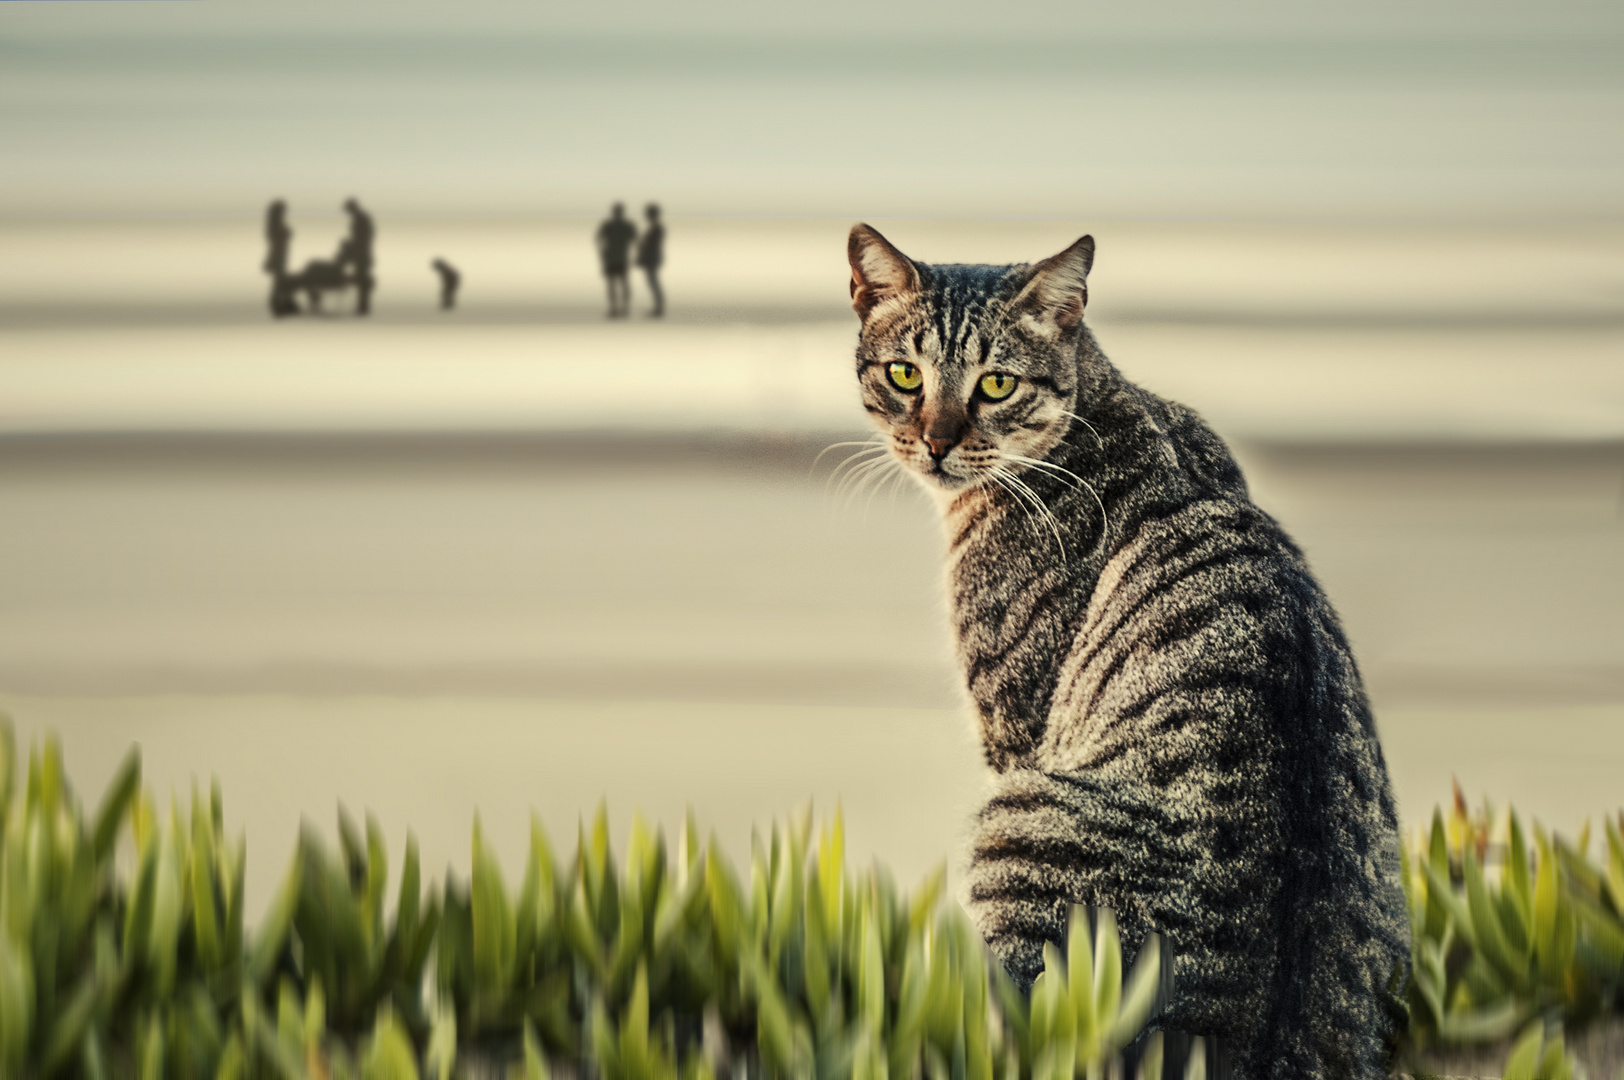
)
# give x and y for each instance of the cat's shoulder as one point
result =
(1219, 543)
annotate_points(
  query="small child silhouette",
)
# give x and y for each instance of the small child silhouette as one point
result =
(449, 281)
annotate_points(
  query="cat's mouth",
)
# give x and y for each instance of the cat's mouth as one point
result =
(936, 472)
(947, 473)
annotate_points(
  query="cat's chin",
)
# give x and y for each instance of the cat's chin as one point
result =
(939, 482)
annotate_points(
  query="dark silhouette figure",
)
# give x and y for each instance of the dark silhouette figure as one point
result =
(651, 253)
(359, 257)
(278, 242)
(449, 280)
(615, 239)
(324, 275)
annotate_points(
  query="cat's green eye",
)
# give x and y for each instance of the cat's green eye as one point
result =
(997, 386)
(906, 376)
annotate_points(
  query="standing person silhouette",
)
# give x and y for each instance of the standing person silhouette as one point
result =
(615, 238)
(278, 242)
(362, 233)
(449, 280)
(651, 253)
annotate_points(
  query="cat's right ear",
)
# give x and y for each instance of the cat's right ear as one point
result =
(879, 272)
(1057, 290)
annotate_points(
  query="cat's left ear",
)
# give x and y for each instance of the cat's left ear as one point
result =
(1057, 291)
(879, 272)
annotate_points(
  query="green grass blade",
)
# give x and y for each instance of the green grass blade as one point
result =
(168, 898)
(1442, 894)
(440, 1059)
(494, 931)
(377, 880)
(16, 1005)
(115, 803)
(1107, 970)
(273, 929)
(1437, 869)
(1487, 932)
(1488, 1024)
(871, 976)
(1516, 879)
(1615, 866)
(390, 1055)
(535, 1062)
(1139, 996)
(206, 916)
(8, 766)
(1523, 1061)
(1553, 1060)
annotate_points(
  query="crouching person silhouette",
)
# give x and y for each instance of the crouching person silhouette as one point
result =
(450, 280)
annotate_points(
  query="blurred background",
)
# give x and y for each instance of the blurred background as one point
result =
(518, 556)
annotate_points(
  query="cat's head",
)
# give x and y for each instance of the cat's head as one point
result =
(967, 370)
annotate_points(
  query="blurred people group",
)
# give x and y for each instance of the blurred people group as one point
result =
(621, 245)
(349, 268)
(617, 237)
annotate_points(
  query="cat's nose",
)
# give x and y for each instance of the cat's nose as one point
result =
(939, 446)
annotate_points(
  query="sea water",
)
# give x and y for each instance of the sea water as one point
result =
(1018, 123)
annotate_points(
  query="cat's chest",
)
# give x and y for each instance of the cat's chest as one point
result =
(1016, 609)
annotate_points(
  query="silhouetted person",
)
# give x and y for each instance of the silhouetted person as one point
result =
(449, 280)
(359, 255)
(322, 275)
(278, 242)
(615, 239)
(651, 253)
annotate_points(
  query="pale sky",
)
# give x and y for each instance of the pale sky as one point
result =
(1019, 18)
(1474, 108)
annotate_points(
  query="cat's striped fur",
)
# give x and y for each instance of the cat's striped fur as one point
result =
(1168, 702)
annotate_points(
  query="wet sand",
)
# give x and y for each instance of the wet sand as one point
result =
(428, 627)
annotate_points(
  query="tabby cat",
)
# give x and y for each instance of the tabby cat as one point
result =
(1169, 705)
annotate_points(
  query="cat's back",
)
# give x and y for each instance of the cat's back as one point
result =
(1211, 666)
(1205, 628)
(1205, 641)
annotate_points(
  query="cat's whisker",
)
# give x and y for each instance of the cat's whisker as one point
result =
(899, 482)
(852, 477)
(1004, 480)
(880, 479)
(880, 482)
(1022, 491)
(994, 477)
(855, 477)
(1086, 424)
(848, 461)
(1044, 513)
(869, 447)
(1063, 473)
(1036, 463)
(861, 476)
(847, 467)
(873, 442)
(888, 482)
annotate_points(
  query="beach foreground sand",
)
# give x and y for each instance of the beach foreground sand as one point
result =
(432, 627)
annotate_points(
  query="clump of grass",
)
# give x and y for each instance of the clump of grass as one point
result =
(668, 964)
(653, 966)
(1514, 930)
